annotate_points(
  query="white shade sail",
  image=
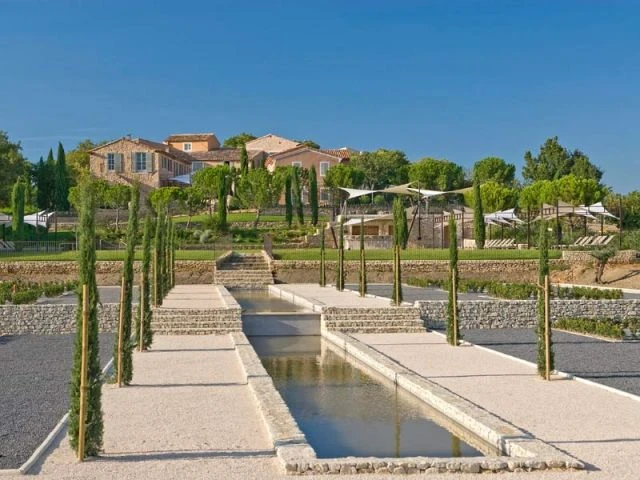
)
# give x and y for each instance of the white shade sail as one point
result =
(598, 209)
(355, 193)
(40, 219)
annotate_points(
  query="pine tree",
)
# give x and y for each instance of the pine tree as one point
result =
(87, 275)
(145, 298)
(340, 271)
(62, 182)
(323, 276)
(478, 215)
(453, 330)
(313, 195)
(363, 262)
(17, 210)
(297, 195)
(244, 160)
(543, 270)
(132, 233)
(287, 200)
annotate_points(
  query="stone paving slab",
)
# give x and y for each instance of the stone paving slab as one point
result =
(329, 296)
(598, 427)
(200, 296)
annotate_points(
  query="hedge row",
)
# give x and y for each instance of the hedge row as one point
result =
(18, 292)
(604, 327)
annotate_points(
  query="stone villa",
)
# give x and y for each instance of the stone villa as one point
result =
(155, 164)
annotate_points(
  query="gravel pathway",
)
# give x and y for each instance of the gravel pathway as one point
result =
(616, 364)
(34, 393)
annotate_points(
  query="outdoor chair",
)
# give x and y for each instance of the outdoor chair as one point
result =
(578, 241)
(608, 240)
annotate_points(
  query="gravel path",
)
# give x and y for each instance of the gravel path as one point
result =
(616, 364)
(34, 393)
(107, 295)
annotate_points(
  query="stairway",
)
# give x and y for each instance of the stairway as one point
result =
(373, 320)
(244, 271)
(168, 321)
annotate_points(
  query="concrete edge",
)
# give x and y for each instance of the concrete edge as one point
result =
(560, 373)
(290, 297)
(46, 443)
(379, 297)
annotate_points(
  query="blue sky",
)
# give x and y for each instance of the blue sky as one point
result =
(449, 79)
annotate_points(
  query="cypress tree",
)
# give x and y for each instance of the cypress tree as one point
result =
(287, 200)
(244, 160)
(363, 264)
(145, 298)
(323, 276)
(168, 250)
(222, 204)
(453, 273)
(478, 215)
(401, 232)
(297, 195)
(42, 195)
(396, 295)
(543, 270)
(132, 233)
(87, 275)
(62, 182)
(17, 210)
(313, 195)
(50, 181)
(159, 248)
(340, 271)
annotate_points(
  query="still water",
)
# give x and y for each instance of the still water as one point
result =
(344, 411)
(260, 301)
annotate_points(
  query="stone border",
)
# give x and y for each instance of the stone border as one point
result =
(46, 443)
(298, 457)
(313, 305)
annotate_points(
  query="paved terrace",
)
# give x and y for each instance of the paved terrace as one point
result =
(200, 296)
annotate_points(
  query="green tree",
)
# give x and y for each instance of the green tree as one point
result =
(288, 204)
(396, 295)
(12, 164)
(193, 201)
(323, 276)
(308, 143)
(78, 159)
(630, 204)
(146, 281)
(453, 331)
(342, 176)
(497, 197)
(478, 215)
(158, 246)
(222, 203)
(210, 182)
(313, 195)
(296, 194)
(602, 256)
(117, 196)
(62, 181)
(382, 167)
(340, 270)
(437, 174)
(87, 276)
(363, 262)
(45, 179)
(244, 160)
(239, 140)
(259, 189)
(494, 169)
(17, 210)
(166, 196)
(400, 227)
(543, 270)
(554, 161)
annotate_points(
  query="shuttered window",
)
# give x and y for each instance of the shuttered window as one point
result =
(111, 161)
(324, 166)
(141, 162)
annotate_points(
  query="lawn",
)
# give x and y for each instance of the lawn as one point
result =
(412, 254)
(105, 255)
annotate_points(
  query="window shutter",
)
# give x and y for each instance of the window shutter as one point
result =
(117, 162)
(133, 161)
(149, 162)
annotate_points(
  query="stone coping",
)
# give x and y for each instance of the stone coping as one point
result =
(521, 451)
(311, 304)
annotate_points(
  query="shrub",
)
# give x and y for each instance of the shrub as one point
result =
(604, 327)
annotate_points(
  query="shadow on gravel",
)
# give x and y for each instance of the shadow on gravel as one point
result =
(183, 455)
(4, 339)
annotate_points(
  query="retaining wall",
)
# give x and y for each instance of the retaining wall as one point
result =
(522, 313)
(46, 319)
(583, 256)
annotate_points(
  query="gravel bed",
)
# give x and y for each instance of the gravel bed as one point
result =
(616, 364)
(107, 295)
(34, 393)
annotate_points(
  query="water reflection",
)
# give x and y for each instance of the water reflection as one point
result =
(260, 301)
(345, 411)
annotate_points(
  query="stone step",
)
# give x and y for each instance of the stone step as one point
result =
(371, 310)
(188, 325)
(364, 318)
(380, 330)
(196, 331)
(375, 323)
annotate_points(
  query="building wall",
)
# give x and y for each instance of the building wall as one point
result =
(197, 146)
(271, 144)
(98, 164)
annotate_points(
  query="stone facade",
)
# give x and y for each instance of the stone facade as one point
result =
(522, 313)
(51, 319)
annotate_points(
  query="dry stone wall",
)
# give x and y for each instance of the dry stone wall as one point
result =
(46, 319)
(522, 313)
(582, 256)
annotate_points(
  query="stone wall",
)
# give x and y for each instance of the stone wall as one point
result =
(522, 313)
(583, 256)
(46, 319)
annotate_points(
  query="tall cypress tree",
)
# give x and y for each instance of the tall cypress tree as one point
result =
(288, 206)
(323, 276)
(363, 262)
(50, 181)
(478, 215)
(17, 210)
(145, 298)
(453, 273)
(42, 195)
(297, 195)
(132, 234)
(313, 195)
(159, 257)
(222, 204)
(340, 271)
(62, 181)
(396, 295)
(543, 270)
(87, 275)
(244, 160)
(401, 232)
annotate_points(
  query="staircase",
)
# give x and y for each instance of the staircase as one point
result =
(373, 320)
(219, 321)
(243, 271)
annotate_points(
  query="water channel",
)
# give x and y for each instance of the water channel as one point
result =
(344, 408)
